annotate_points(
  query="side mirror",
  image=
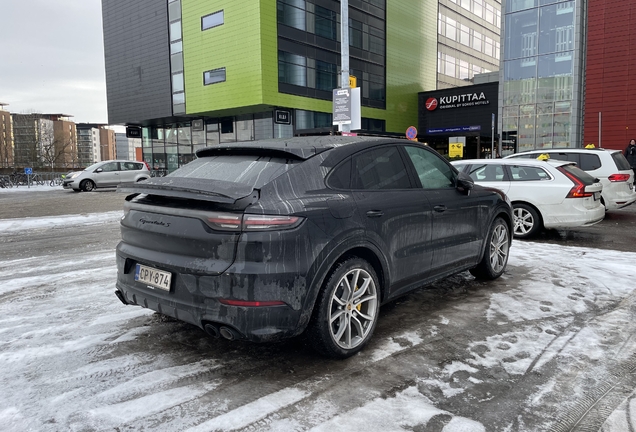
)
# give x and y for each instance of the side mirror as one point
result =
(98, 170)
(465, 183)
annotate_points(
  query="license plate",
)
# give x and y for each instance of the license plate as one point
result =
(153, 277)
(597, 196)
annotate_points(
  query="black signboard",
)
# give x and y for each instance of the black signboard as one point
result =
(133, 132)
(282, 117)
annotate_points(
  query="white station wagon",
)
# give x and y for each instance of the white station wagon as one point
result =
(548, 194)
(609, 166)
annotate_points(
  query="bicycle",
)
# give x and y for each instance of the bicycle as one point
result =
(5, 182)
(37, 179)
(57, 181)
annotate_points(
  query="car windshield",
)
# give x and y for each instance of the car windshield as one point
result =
(250, 170)
(94, 166)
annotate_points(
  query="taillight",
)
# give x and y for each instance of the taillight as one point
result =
(236, 222)
(225, 221)
(578, 190)
(263, 222)
(618, 177)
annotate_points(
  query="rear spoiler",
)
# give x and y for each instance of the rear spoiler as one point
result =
(189, 188)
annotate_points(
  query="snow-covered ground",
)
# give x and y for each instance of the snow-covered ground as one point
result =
(32, 188)
(73, 358)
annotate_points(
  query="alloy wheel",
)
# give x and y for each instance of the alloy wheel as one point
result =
(352, 309)
(524, 221)
(499, 247)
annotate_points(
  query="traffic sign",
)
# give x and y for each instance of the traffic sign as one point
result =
(411, 133)
(28, 171)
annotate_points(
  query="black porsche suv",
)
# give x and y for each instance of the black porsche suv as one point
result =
(263, 240)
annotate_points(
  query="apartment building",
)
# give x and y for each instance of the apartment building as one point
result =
(6, 138)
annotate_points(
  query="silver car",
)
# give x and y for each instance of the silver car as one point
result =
(106, 174)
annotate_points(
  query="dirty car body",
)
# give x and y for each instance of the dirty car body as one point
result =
(256, 240)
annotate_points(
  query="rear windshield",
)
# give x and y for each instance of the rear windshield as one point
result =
(579, 173)
(621, 162)
(254, 171)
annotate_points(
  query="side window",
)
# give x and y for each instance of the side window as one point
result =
(590, 162)
(110, 166)
(130, 166)
(340, 177)
(382, 168)
(431, 169)
(486, 173)
(528, 173)
(570, 157)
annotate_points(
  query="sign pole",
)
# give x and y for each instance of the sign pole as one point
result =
(492, 132)
(344, 53)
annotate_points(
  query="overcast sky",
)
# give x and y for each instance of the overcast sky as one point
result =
(52, 58)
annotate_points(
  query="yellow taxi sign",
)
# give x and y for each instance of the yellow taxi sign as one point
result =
(543, 157)
(590, 145)
(353, 81)
(455, 149)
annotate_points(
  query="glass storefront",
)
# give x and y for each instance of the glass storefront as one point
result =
(166, 148)
(541, 79)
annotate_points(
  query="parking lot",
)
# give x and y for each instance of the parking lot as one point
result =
(548, 346)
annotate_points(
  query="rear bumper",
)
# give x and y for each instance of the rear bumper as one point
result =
(195, 298)
(574, 216)
(618, 195)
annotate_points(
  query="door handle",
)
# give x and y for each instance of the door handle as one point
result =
(375, 213)
(440, 208)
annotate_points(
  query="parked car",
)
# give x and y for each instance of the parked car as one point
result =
(266, 239)
(106, 174)
(610, 166)
(544, 194)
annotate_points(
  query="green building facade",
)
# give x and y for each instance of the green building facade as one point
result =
(252, 69)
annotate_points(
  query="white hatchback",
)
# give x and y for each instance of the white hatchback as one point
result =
(105, 174)
(549, 194)
(609, 166)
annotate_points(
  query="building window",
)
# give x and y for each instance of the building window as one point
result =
(214, 76)
(175, 31)
(213, 20)
(177, 82)
(292, 69)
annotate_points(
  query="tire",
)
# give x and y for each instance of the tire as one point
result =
(343, 321)
(527, 221)
(493, 263)
(87, 186)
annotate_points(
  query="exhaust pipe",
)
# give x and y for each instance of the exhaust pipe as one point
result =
(121, 297)
(211, 330)
(227, 333)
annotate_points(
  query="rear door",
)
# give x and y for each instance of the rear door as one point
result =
(129, 171)
(490, 175)
(397, 216)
